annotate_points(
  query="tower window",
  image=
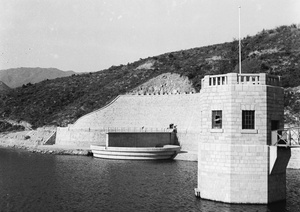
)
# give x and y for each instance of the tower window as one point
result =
(248, 119)
(217, 119)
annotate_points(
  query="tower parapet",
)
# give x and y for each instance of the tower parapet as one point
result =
(235, 79)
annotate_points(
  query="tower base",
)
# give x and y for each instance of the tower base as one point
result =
(242, 173)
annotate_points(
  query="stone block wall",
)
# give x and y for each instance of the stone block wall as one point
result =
(232, 100)
(233, 173)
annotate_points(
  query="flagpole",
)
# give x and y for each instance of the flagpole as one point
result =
(240, 50)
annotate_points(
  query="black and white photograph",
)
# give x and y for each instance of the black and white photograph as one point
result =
(150, 105)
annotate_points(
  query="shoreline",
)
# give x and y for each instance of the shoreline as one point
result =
(42, 141)
(294, 162)
(52, 149)
(38, 141)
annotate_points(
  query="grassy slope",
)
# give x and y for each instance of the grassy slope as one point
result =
(63, 100)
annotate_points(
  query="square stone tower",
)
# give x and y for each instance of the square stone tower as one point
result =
(236, 161)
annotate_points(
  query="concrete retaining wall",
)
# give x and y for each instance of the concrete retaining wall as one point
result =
(80, 138)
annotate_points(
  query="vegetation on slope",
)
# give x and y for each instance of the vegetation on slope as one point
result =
(10, 127)
(63, 100)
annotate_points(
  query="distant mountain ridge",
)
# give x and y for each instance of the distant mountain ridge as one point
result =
(16, 77)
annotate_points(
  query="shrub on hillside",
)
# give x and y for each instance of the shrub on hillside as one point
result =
(4, 127)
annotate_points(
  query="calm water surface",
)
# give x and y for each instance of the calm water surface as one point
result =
(36, 182)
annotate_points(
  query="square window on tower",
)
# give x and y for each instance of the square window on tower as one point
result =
(217, 119)
(248, 119)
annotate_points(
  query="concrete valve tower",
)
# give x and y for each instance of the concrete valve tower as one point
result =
(236, 160)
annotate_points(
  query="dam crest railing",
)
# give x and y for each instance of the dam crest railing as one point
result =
(121, 129)
(240, 79)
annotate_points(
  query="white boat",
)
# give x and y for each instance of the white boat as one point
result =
(136, 153)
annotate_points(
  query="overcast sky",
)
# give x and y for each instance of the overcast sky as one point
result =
(91, 35)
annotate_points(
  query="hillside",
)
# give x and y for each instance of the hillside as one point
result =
(4, 87)
(61, 101)
(166, 83)
(16, 77)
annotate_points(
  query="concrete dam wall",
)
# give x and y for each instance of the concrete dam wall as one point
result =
(134, 113)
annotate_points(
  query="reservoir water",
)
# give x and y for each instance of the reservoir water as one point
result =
(37, 182)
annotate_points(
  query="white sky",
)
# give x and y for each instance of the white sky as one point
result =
(91, 35)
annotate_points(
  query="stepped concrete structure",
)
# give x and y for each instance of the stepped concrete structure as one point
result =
(227, 127)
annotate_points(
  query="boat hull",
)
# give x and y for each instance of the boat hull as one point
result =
(135, 153)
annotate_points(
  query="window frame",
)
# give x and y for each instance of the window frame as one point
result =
(214, 124)
(248, 119)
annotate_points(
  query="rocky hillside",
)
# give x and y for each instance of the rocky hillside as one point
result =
(61, 101)
(16, 77)
(166, 83)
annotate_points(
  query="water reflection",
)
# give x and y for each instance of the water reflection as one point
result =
(206, 205)
(34, 182)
